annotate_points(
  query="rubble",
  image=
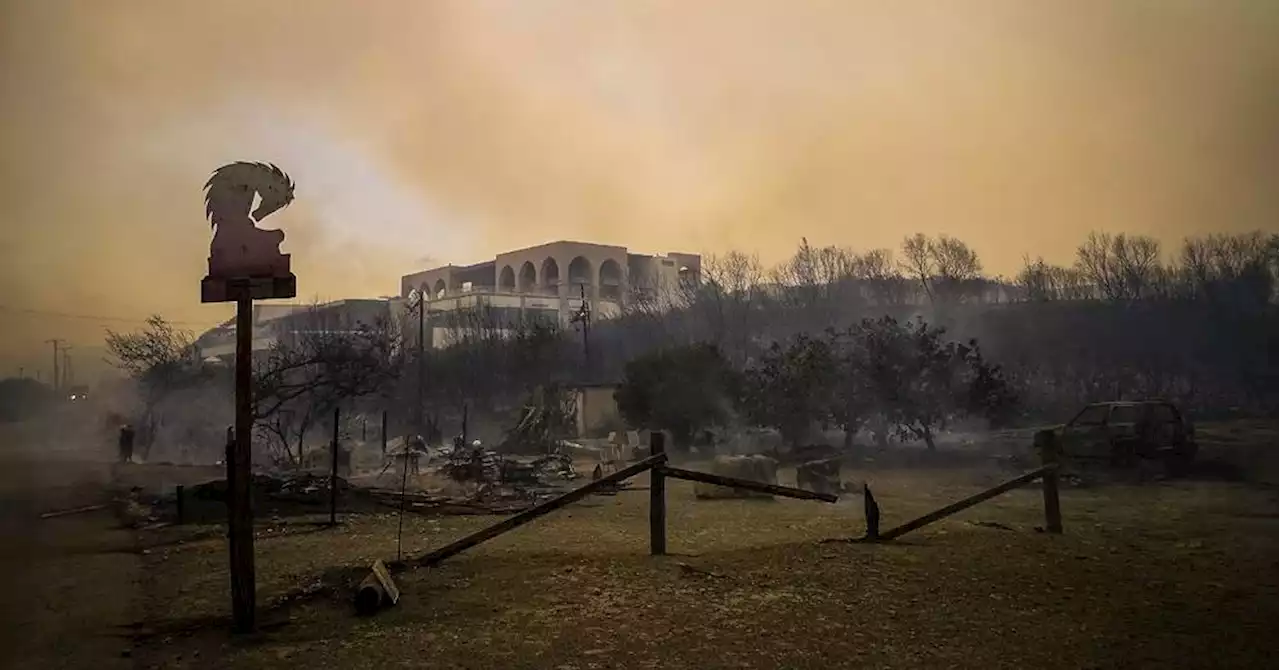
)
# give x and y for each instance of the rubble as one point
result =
(555, 466)
(485, 466)
(493, 500)
(301, 487)
(820, 476)
(547, 416)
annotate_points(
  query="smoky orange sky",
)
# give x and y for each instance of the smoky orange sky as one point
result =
(425, 131)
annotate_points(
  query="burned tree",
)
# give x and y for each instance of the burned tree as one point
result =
(318, 362)
(816, 285)
(946, 268)
(163, 361)
(489, 359)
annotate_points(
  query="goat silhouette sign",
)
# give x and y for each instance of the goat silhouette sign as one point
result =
(244, 259)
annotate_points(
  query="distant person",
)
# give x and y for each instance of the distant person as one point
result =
(126, 443)
(415, 449)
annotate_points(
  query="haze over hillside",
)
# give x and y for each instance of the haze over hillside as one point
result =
(447, 131)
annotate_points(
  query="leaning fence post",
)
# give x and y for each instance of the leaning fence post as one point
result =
(657, 498)
(871, 510)
(384, 433)
(1047, 444)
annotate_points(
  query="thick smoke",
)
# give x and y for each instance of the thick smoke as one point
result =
(478, 126)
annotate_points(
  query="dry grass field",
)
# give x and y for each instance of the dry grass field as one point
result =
(1173, 574)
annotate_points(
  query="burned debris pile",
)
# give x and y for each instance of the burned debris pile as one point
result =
(493, 501)
(546, 419)
(304, 488)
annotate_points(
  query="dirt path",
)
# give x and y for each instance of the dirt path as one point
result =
(69, 583)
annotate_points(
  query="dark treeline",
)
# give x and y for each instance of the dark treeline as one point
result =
(1126, 320)
(888, 343)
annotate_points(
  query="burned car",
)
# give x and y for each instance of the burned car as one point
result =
(1124, 433)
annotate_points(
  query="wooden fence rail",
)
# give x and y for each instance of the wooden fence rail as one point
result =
(733, 482)
(959, 505)
(656, 464)
(485, 534)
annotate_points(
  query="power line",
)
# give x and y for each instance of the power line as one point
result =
(93, 317)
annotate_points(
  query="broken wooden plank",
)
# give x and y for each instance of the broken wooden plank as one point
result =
(384, 578)
(69, 512)
(528, 515)
(965, 504)
(733, 482)
(377, 590)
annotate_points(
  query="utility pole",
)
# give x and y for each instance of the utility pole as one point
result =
(583, 317)
(67, 377)
(422, 331)
(56, 343)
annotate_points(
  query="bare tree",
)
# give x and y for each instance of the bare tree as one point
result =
(817, 285)
(956, 268)
(162, 360)
(726, 307)
(1125, 267)
(917, 262)
(157, 347)
(1070, 283)
(1136, 259)
(1095, 261)
(1034, 280)
(1039, 281)
(1226, 267)
(879, 276)
(319, 361)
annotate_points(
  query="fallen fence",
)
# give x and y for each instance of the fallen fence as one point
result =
(378, 588)
(658, 492)
(1047, 473)
(485, 534)
(760, 487)
(655, 463)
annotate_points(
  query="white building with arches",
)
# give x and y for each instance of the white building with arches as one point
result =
(550, 280)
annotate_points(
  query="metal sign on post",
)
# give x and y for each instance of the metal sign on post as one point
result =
(245, 264)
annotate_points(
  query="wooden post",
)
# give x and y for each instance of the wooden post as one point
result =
(420, 408)
(404, 484)
(871, 510)
(657, 497)
(179, 494)
(239, 477)
(1048, 447)
(384, 432)
(333, 472)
